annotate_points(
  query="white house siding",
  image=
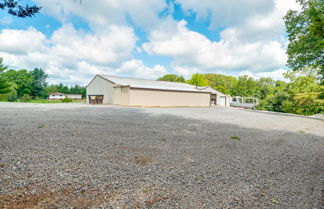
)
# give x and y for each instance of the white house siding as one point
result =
(100, 86)
(147, 97)
(56, 97)
(74, 96)
(227, 100)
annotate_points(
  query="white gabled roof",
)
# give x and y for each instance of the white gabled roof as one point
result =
(213, 91)
(159, 85)
(152, 84)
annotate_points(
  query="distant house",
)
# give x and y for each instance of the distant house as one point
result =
(104, 89)
(59, 96)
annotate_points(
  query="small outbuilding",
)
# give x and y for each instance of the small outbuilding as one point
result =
(218, 98)
(104, 89)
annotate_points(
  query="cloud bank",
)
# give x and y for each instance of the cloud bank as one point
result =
(252, 39)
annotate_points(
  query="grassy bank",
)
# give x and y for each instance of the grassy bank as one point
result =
(47, 101)
(51, 101)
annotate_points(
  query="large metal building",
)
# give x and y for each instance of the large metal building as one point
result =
(104, 89)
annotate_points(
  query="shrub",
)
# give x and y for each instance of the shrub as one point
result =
(9, 97)
(25, 98)
(66, 100)
(12, 98)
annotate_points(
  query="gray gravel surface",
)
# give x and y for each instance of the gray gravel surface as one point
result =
(81, 156)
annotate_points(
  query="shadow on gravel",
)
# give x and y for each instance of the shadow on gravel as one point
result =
(125, 158)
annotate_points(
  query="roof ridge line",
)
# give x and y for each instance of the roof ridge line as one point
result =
(142, 79)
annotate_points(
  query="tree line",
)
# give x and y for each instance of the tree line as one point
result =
(16, 84)
(301, 94)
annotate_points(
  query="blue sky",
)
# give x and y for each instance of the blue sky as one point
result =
(73, 41)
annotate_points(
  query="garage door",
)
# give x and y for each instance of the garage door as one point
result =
(96, 99)
(222, 101)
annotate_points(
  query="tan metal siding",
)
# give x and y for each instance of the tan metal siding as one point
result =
(144, 97)
(121, 95)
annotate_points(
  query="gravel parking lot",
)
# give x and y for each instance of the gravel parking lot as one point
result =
(82, 156)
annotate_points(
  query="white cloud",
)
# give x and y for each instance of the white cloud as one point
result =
(72, 56)
(276, 75)
(111, 46)
(193, 52)
(136, 68)
(227, 12)
(253, 41)
(99, 13)
(14, 41)
(262, 27)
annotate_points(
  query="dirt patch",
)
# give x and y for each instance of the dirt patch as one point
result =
(143, 160)
(51, 198)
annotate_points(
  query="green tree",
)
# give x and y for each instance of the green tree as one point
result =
(222, 83)
(10, 96)
(63, 88)
(4, 83)
(305, 82)
(305, 104)
(306, 36)
(16, 9)
(198, 80)
(22, 79)
(76, 89)
(304, 90)
(265, 86)
(51, 89)
(245, 86)
(275, 100)
(39, 83)
(172, 78)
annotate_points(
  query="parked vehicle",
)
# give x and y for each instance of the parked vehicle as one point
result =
(244, 102)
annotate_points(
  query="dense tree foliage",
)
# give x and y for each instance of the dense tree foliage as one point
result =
(4, 83)
(172, 78)
(15, 8)
(220, 82)
(39, 83)
(306, 36)
(22, 79)
(245, 86)
(198, 80)
(300, 95)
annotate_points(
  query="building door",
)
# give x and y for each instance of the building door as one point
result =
(222, 101)
(213, 99)
(96, 99)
